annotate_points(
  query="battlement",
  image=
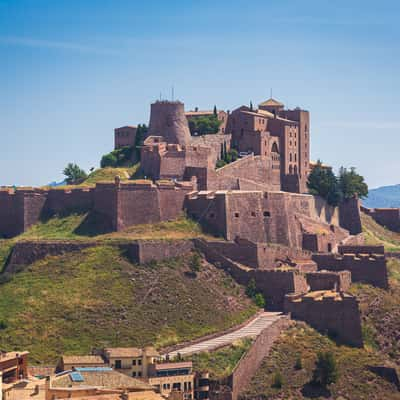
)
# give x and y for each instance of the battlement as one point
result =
(367, 268)
(328, 311)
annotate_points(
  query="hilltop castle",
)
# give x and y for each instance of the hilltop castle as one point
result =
(273, 143)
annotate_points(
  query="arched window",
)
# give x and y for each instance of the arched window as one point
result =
(290, 157)
(274, 148)
(290, 170)
(295, 169)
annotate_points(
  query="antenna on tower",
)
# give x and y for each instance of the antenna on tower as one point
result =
(271, 94)
(172, 92)
(160, 96)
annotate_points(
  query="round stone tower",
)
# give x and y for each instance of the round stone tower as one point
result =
(167, 119)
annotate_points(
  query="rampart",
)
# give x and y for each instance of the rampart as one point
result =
(258, 216)
(335, 313)
(251, 361)
(387, 217)
(367, 268)
(117, 205)
(350, 218)
(258, 255)
(25, 253)
(272, 284)
(329, 280)
(144, 251)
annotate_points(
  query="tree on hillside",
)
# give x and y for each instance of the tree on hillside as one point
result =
(323, 182)
(326, 370)
(251, 105)
(215, 111)
(351, 184)
(74, 174)
(141, 133)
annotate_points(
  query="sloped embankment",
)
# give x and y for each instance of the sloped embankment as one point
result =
(96, 297)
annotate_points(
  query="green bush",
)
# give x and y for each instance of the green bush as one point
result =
(195, 262)
(3, 325)
(205, 125)
(74, 175)
(277, 382)
(299, 363)
(259, 300)
(251, 289)
(118, 158)
(326, 370)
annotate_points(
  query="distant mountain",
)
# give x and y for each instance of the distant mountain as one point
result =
(382, 197)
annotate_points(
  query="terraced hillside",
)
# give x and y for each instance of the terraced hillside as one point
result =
(72, 303)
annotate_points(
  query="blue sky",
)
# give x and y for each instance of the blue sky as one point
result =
(71, 71)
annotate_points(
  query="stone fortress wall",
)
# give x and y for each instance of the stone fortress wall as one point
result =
(275, 217)
(387, 217)
(117, 205)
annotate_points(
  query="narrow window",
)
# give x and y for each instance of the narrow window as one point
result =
(236, 215)
(267, 214)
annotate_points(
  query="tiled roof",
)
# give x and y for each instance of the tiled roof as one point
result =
(123, 352)
(174, 365)
(100, 379)
(272, 102)
(82, 359)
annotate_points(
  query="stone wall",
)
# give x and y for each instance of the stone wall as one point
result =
(350, 217)
(259, 216)
(329, 280)
(272, 284)
(367, 268)
(361, 249)
(144, 251)
(25, 253)
(251, 361)
(258, 255)
(330, 312)
(387, 217)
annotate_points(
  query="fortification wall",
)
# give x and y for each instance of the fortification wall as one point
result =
(258, 255)
(337, 314)
(365, 268)
(25, 253)
(387, 217)
(248, 169)
(137, 204)
(251, 361)
(329, 280)
(272, 284)
(106, 205)
(275, 217)
(11, 209)
(361, 249)
(350, 218)
(216, 142)
(144, 251)
(59, 201)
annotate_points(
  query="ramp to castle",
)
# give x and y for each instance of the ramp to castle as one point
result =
(252, 329)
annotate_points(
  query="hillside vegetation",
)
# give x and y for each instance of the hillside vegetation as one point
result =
(221, 363)
(381, 313)
(109, 174)
(72, 303)
(78, 226)
(355, 381)
(376, 234)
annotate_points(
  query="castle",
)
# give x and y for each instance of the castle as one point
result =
(258, 203)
